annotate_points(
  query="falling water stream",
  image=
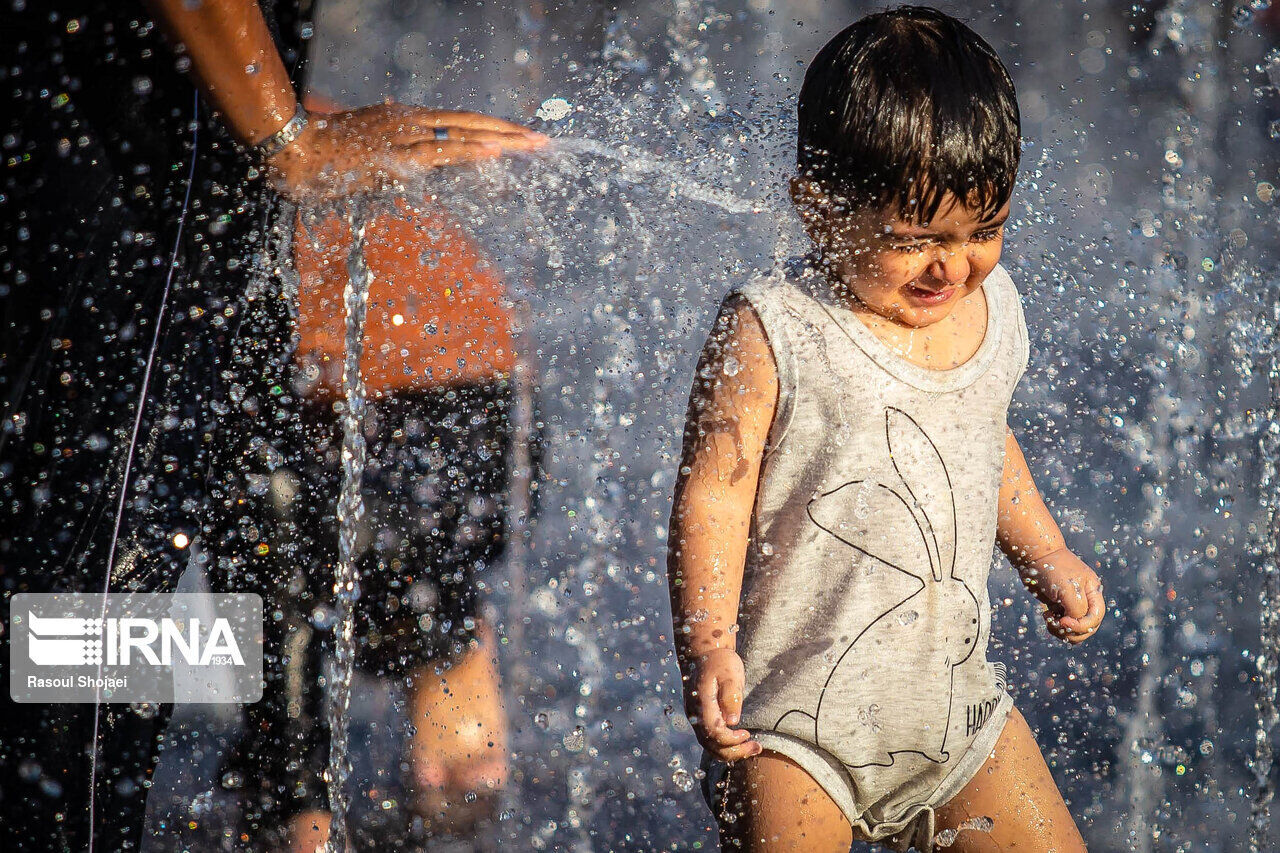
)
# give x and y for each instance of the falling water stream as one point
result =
(346, 583)
(1269, 646)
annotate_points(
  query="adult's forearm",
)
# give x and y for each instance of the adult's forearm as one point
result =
(235, 61)
(1024, 528)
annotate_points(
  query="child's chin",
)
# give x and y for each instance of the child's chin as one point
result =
(927, 315)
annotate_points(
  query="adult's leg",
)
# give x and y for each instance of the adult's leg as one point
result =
(459, 744)
(309, 831)
(1015, 791)
(450, 525)
(434, 488)
(770, 803)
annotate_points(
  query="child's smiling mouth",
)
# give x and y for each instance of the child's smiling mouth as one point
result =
(930, 297)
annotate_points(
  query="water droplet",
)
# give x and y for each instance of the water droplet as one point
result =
(554, 109)
(575, 740)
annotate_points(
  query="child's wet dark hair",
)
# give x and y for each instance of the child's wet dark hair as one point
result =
(904, 106)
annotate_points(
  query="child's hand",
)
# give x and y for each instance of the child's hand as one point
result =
(1071, 593)
(713, 701)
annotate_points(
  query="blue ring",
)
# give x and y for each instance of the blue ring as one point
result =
(441, 133)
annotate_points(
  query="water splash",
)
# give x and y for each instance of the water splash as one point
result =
(346, 585)
(519, 508)
(1185, 179)
(1269, 649)
(1267, 697)
(635, 164)
(947, 837)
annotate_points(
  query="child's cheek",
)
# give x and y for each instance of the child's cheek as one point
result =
(986, 258)
(897, 269)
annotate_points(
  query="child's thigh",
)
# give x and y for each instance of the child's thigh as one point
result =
(771, 804)
(1013, 789)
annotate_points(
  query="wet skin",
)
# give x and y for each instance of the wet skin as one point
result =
(779, 808)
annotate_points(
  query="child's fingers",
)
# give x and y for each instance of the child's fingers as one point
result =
(1058, 629)
(1072, 600)
(726, 737)
(716, 736)
(738, 752)
(712, 721)
(729, 693)
(1093, 616)
(1051, 622)
(709, 719)
(1055, 626)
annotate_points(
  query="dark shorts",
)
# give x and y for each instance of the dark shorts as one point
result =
(435, 498)
(436, 492)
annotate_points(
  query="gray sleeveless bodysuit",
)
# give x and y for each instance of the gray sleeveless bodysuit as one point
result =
(865, 616)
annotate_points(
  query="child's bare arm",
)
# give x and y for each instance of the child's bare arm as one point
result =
(1029, 537)
(1025, 529)
(730, 410)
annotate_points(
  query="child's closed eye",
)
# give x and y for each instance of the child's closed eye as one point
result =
(914, 246)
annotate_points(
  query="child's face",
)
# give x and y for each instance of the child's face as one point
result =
(913, 275)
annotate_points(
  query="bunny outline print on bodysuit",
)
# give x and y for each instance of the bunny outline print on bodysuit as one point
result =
(859, 701)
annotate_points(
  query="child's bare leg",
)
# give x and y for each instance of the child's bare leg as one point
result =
(772, 804)
(1015, 790)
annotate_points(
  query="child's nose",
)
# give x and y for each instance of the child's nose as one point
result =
(950, 266)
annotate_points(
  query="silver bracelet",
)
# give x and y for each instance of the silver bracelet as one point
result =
(278, 141)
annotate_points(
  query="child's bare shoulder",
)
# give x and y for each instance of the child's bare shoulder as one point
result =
(734, 395)
(737, 354)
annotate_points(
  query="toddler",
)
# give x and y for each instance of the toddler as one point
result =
(847, 466)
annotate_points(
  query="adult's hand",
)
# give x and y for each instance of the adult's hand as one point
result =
(370, 148)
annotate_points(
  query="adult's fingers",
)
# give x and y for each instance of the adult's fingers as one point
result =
(446, 152)
(461, 118)
(415, 134)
